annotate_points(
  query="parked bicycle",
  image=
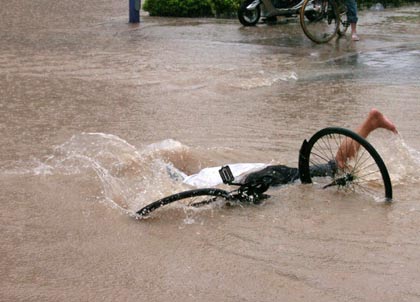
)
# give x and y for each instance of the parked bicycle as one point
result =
(322, 20)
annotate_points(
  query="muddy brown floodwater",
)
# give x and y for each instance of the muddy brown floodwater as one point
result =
(94, 110)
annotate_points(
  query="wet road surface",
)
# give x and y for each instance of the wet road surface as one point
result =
(93, 110)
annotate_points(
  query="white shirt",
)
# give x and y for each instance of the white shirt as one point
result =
(209, 177)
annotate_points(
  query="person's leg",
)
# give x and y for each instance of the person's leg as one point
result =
(374, 120)
(354, 35)
(352, 18)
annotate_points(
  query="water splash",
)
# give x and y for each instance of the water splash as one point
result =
(130, 177)
(402, 161)
(133, 177)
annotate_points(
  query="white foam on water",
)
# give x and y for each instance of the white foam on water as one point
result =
(130, 178)
(401, 160)
(264, 79)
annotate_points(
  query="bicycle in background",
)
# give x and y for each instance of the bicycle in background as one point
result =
(322, 20)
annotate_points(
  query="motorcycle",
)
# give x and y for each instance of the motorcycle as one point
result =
(250, 11)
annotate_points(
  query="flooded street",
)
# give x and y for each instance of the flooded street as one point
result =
(94, 113)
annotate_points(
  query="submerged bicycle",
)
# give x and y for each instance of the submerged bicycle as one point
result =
(365, 172)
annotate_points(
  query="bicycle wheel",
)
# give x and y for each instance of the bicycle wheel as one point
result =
(343, 23)
(364, 172)
(193, 194)
(248, 17)
(319, 20)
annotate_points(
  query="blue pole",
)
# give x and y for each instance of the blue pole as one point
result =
(134, 7)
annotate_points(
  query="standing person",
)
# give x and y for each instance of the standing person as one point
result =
(352, 18)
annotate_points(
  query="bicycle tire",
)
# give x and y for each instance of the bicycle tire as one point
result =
(365, 171)
(248, 17)
(342, 27)
(319, 20)
(211, 192)
(343, 24)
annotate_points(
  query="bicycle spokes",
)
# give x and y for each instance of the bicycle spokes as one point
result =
(319, 20)
(358, 167)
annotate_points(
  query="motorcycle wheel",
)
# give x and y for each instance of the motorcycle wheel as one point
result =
(248, 17)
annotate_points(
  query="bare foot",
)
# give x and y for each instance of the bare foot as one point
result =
(349, 147)
(378, 120)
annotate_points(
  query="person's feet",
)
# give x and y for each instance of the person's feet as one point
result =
(378, 120)
(349, 147)
(355, 37)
